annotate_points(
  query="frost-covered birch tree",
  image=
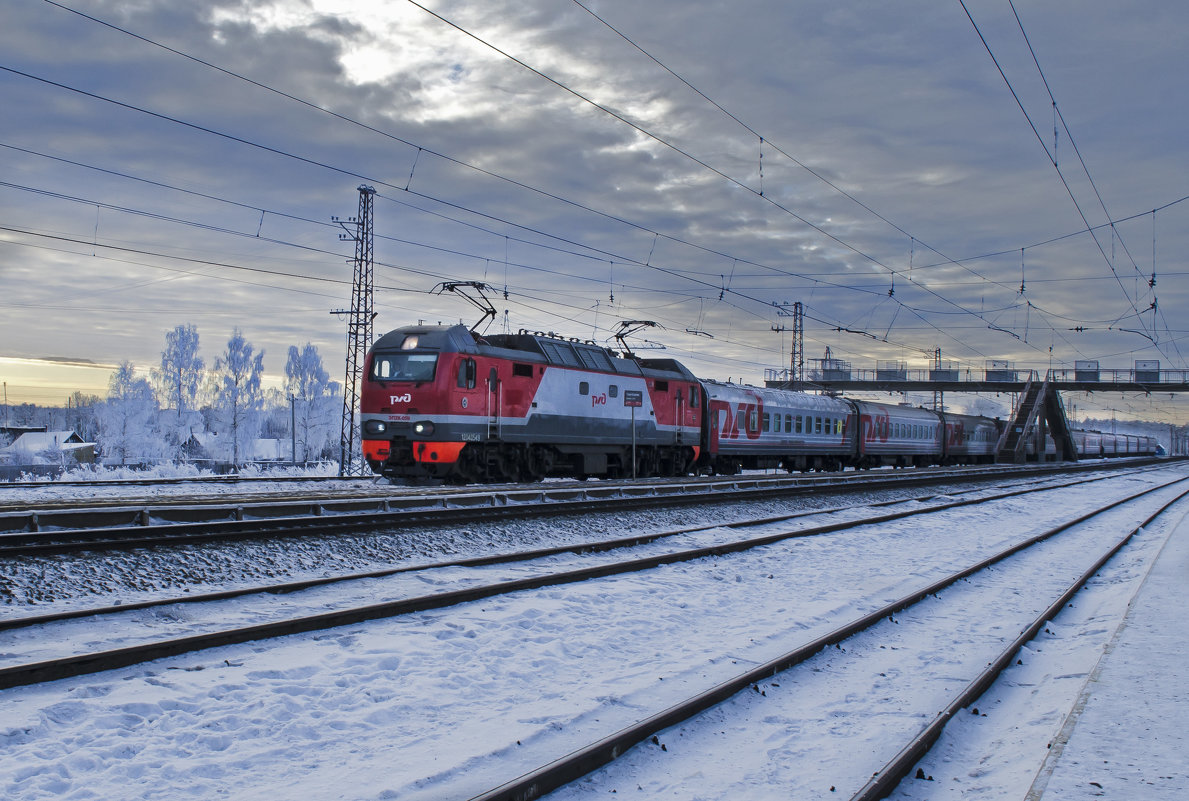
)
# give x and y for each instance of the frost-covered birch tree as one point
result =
(311, 391)
(178, 382)
(238, 396)
(127, 418)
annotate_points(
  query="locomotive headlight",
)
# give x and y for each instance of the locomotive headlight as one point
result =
(423, 428)
(375, 426)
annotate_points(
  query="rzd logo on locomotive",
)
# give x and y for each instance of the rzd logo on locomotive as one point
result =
(406, 398)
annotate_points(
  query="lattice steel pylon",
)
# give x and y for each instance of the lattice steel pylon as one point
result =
(797, 356)
(797, 360)
(359, 329)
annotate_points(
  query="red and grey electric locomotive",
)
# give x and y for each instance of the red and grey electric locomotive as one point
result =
(443, 402)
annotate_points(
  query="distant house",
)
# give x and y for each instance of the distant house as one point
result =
(259, 450)
(41, 447)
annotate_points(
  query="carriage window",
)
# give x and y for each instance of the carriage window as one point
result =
(798, 424)
(817, 425)
(837, 426)
(788, 424)
(767, 423)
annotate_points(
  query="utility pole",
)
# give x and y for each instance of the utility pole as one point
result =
(359, 327)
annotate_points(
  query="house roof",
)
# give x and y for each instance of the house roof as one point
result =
(35, 441)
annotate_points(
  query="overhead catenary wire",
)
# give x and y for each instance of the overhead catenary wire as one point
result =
(419, 150)
(1053, 161)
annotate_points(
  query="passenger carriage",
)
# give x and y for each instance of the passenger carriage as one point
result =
(756, 427)
(897, 435)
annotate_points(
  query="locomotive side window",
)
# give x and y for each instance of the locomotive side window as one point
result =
(583, 388)
(466, 373)
(595, 359)
(560, 353)
(404, 366)
(522, 370)
(693, 397)
(613, 391)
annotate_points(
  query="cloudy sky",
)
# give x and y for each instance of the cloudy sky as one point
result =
(697, 164)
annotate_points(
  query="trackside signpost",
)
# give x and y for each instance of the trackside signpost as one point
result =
(633, 399)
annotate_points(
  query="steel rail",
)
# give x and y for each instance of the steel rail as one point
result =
(226, 478)
(274, 518)
(585, 760)
(83, 664)
(885, 780)
(524, 556)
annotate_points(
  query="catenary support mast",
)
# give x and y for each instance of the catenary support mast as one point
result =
(359, 328)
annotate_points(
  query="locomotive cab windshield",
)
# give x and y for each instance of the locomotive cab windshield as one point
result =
(404, 366)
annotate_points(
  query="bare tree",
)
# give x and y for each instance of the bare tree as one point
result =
(311, 392)
(127, 418)
(178, 381)
(238, 395)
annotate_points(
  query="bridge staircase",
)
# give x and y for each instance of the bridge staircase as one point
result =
(1039, 411)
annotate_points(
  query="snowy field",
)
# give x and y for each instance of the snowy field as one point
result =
(445, 704)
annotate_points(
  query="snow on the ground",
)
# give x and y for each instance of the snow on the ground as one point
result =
(146, 573)
(402, 708)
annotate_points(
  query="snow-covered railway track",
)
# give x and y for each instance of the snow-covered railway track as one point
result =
(450, 702)
(830, 757)
(100, 526)
(57, 632)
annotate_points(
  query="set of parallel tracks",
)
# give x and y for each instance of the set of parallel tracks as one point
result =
(582, 761)
(81, 664)
(54, 529)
